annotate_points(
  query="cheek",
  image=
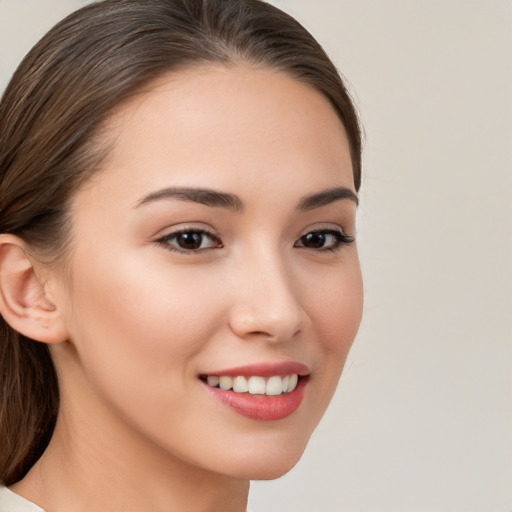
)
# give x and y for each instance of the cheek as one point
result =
(335, 311)
(137, 326)
(134, 316)
(336, 307)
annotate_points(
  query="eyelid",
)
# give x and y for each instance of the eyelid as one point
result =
(328, 227)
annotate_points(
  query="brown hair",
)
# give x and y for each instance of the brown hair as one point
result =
(50, 116)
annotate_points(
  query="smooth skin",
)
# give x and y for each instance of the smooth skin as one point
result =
(159, 289)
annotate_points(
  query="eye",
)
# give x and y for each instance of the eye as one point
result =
(324, 240)
(190, 241)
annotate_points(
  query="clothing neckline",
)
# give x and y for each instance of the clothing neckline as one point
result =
(12, 502)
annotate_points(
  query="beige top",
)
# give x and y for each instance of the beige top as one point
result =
(11, 502)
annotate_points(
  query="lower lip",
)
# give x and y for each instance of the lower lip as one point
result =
(261, 407)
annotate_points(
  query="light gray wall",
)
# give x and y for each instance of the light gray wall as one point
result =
(422, 420)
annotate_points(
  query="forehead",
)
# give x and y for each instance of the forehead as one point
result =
(227, 128)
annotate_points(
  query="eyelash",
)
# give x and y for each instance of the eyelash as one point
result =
(340, 239)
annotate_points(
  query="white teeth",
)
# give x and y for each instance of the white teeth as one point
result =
(213, 381)
(256, 385)
(225, 383)
(240, 385)
(273, 386)
(292, 384)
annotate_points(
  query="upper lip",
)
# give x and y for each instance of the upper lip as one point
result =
(264, 370)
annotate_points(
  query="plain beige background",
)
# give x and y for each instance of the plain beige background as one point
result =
(422, 420)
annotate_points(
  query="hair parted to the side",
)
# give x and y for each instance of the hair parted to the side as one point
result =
(51, 116)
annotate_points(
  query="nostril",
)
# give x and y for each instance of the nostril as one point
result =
(267, 319)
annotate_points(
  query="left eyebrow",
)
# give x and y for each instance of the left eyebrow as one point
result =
(327, 197)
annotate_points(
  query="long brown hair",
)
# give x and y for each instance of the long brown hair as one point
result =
(51, 115)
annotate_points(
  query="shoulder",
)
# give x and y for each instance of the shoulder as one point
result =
(11, 502)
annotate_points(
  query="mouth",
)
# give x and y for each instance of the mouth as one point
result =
(259, 392)
(274, 385)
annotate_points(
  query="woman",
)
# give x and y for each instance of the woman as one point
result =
(179, 277)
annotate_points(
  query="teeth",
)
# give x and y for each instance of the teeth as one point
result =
(240, 385)
(256, 385)
(292, 384)
(213, 381)
(225, 383)
(273, 386)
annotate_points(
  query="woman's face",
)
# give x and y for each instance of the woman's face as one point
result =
(213, 249)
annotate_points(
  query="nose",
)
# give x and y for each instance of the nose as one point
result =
(266, 302)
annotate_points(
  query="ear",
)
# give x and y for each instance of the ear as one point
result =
(25, 302)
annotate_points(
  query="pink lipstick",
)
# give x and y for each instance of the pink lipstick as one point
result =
(264, 392)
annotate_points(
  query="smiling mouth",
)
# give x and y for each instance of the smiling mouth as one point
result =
(255, 385)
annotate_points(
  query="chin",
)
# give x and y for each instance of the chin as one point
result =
(271, 473)
(275, 468)
(268, 464)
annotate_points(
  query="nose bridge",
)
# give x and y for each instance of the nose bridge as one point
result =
(266, 299)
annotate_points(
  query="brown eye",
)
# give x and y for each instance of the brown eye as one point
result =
(329, 239)
(190, 241)
(314, 240)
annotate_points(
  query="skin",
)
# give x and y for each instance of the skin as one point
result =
(136, 429)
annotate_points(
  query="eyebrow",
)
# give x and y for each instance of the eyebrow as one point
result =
(327, 197)
(204, 196)
(217, 199)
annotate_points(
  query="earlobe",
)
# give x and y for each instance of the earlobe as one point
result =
(25, 303)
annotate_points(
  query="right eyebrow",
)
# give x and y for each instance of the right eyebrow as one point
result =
(206, 196)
